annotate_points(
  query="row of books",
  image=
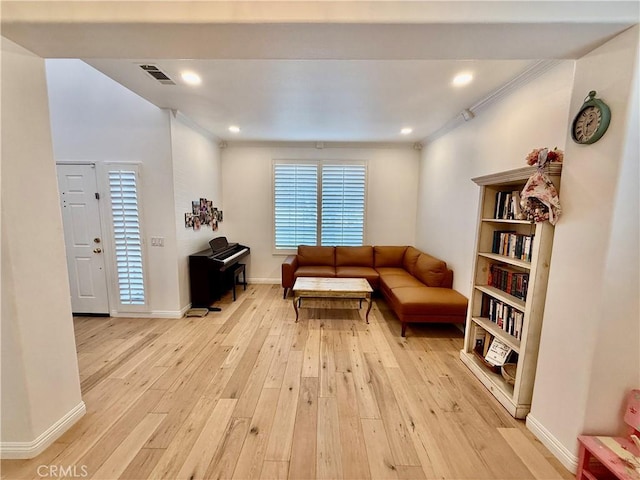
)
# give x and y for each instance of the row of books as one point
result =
(505, 316)
(508, 206)
(512, 244)
(509, 280)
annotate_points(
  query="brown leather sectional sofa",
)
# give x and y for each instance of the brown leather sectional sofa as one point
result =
(417, 286)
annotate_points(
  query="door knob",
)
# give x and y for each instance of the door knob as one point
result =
(96, 240)
(97, 250)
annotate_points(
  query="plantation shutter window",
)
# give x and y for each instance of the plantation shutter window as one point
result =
(343, 195)
(125, 215)
(296, 205)
(318, 203)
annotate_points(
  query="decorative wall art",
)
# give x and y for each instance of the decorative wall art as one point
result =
(202, 213)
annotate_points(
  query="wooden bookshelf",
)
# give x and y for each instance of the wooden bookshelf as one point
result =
(515, 398)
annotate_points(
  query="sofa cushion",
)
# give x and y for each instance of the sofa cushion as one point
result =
(316, 256)
(384, 271)
(315, 271)
(429, 270)
(410, 258)
(388, 256)
(367, 273)
(395, 281)
(429, 301)
(354, 256)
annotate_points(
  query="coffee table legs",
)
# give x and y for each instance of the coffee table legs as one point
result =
(366, 315)
(296, 304)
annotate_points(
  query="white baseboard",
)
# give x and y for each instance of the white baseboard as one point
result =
(24, 450)
(264, 281)
(167, 313)
(180, 313)
(565, 456)
(152, 314)
(184, 310)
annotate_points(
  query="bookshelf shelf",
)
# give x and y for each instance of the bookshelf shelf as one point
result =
(494, 383)
(494, 378)
(504, 259)
(496, 331)
(507, 221)
(502, 296)
(494, 235)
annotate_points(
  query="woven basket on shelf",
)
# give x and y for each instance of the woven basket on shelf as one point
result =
(509, 372)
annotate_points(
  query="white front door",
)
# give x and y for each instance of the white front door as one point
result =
(83, 238)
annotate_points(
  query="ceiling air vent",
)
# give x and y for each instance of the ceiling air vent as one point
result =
(156, 73)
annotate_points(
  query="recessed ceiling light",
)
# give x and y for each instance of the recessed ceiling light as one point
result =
(462, 79)
(191, 78)
(234, 129)
(406, 130)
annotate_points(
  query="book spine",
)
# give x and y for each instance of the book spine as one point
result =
(506, 212)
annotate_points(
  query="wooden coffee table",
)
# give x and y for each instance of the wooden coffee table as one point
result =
(312, 287)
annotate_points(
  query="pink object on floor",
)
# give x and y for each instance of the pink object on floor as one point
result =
(618, 456)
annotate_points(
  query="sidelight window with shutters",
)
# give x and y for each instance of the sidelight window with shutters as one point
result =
(318, 203)
(126, 223)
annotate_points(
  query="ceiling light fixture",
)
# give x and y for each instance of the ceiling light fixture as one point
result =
(234, 129)
(462, 79)
(191, 78)
(406, 130)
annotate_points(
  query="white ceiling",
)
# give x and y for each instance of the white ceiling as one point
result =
(317, 71)
(317, 100)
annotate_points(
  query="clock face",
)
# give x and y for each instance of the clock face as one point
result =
(587, 123)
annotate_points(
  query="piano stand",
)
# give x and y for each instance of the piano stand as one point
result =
(239, 269)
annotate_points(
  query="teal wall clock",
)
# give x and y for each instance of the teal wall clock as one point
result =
(592, 120)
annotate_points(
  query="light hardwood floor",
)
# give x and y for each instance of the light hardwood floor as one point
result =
(248, 393)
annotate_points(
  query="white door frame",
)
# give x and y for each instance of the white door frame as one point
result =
(106, 225)
(118, 309)
(107, 253)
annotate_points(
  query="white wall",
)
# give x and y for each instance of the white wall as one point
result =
(497, 139)
(95, 119)
(196, 173)
(247, 174)
(588, 355)
(618, 335)
(589, 352)
(40, 381)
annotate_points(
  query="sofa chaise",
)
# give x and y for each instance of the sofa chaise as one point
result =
(417, 286)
